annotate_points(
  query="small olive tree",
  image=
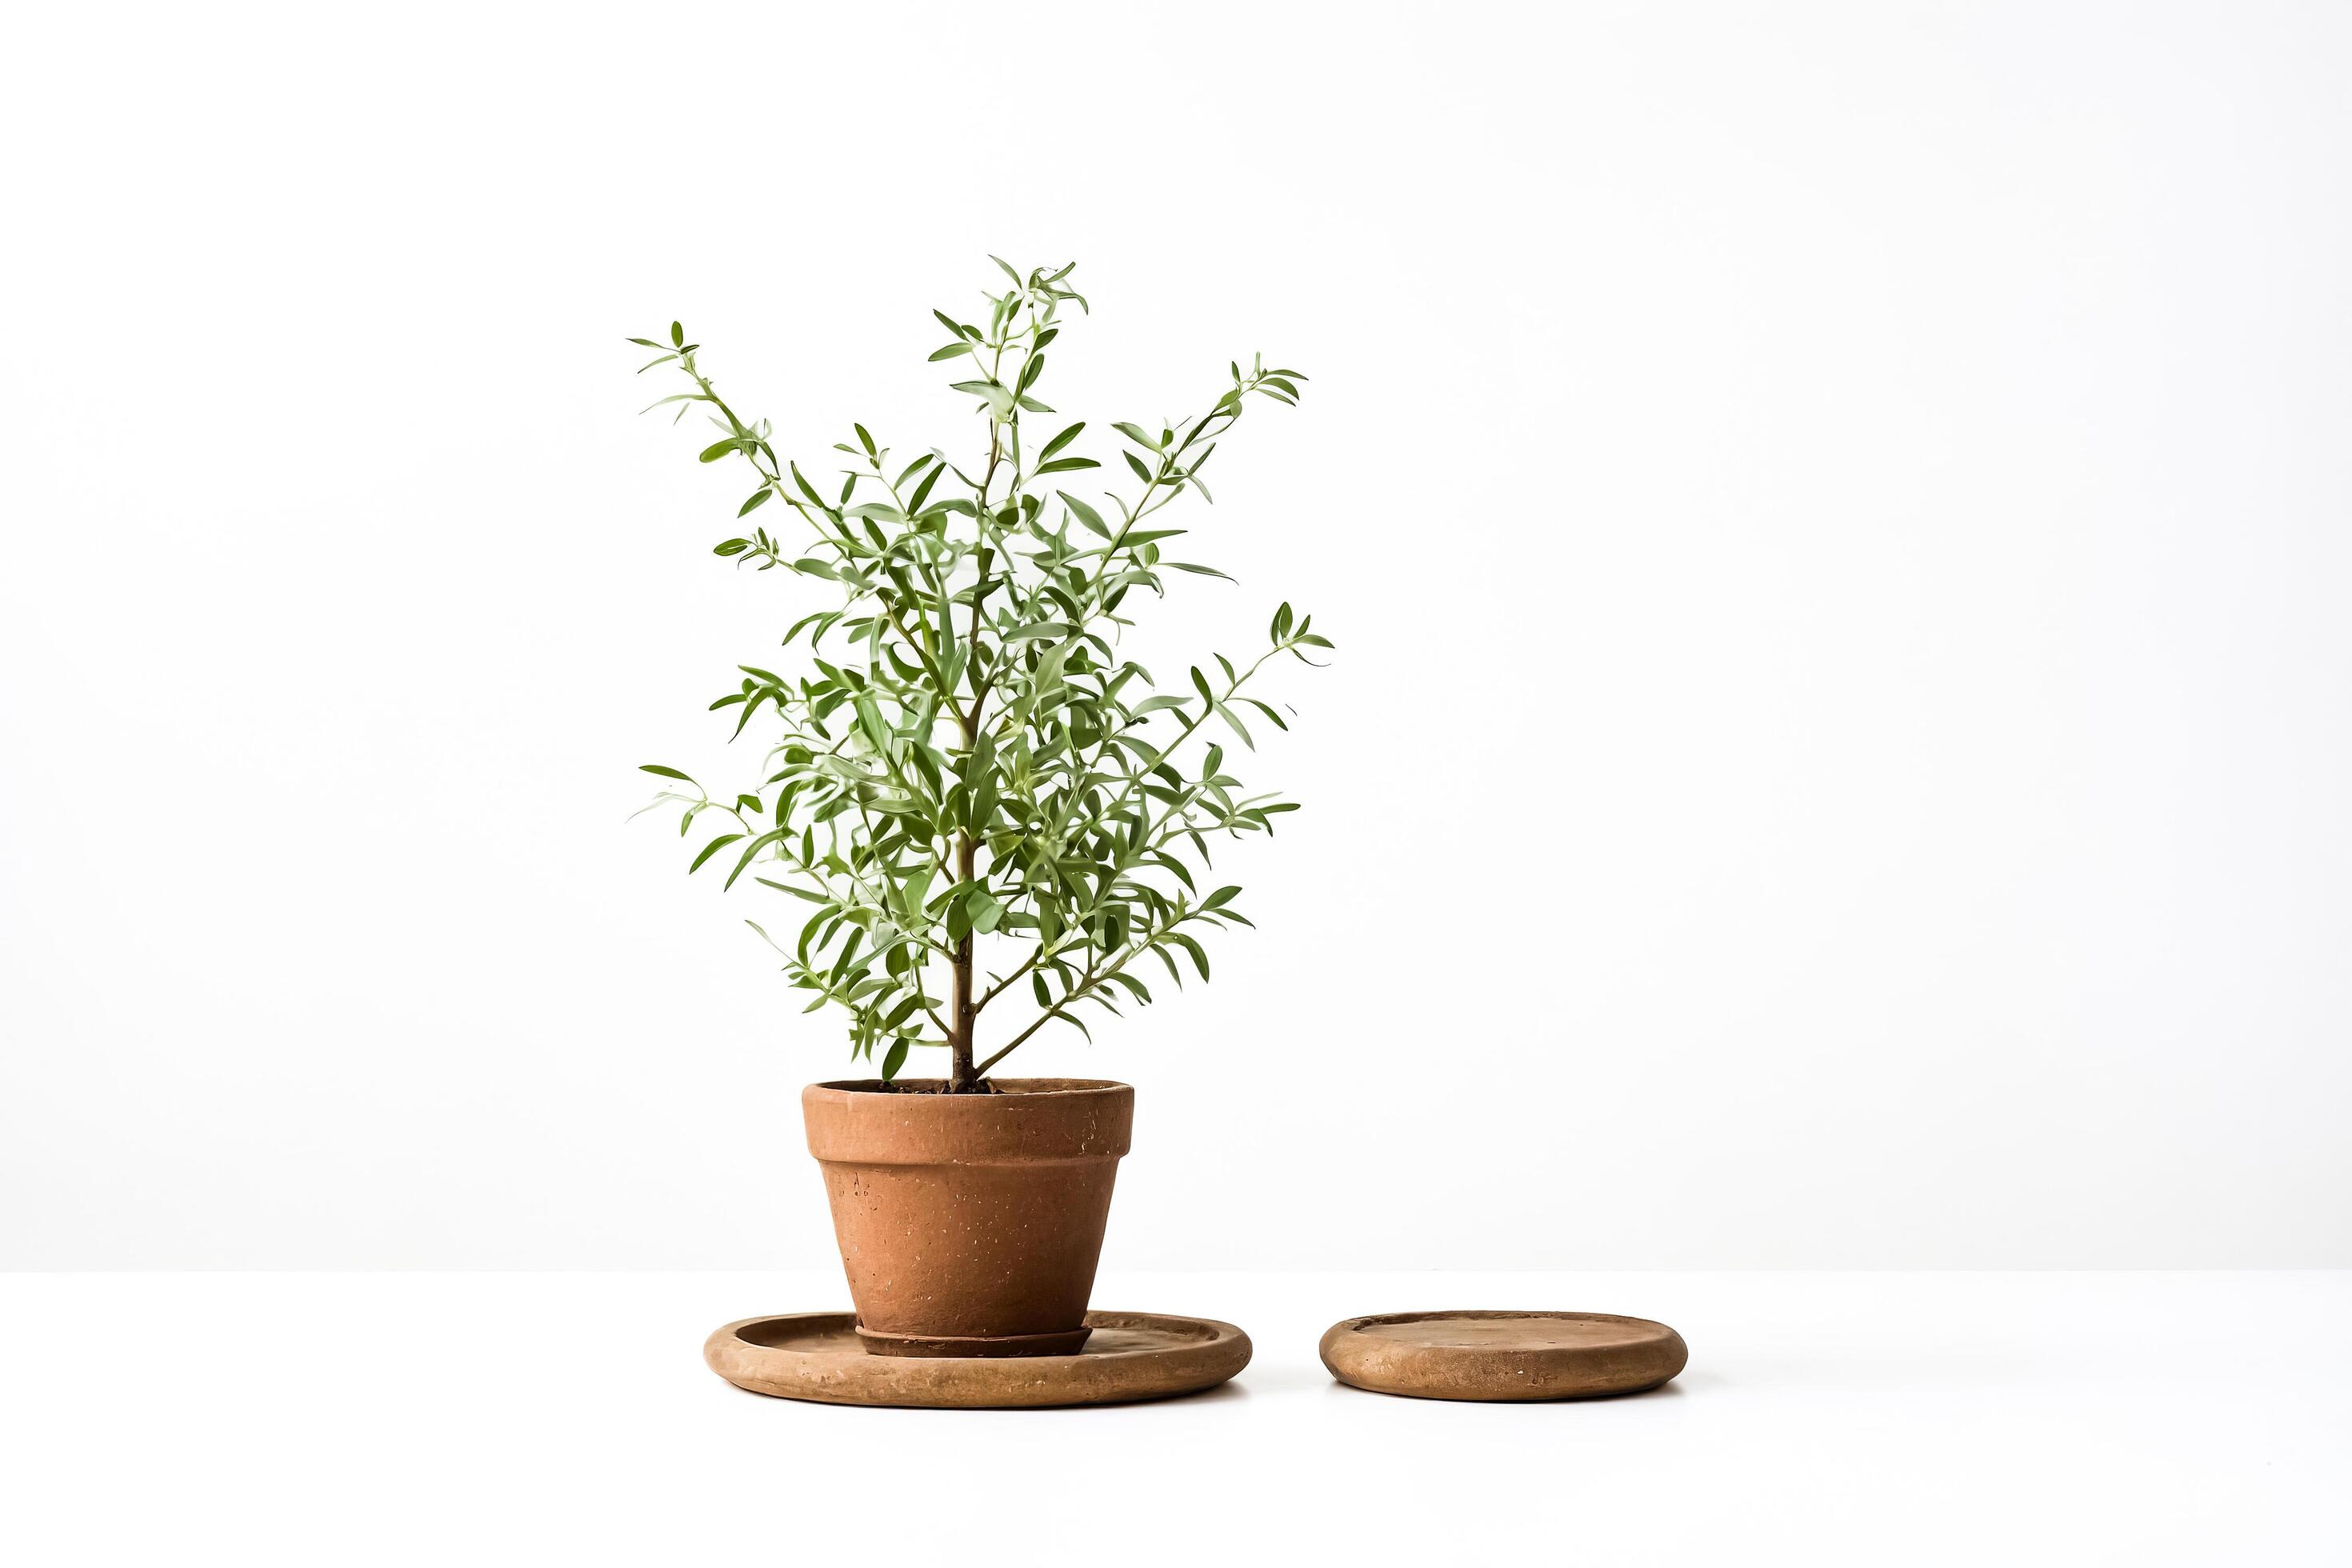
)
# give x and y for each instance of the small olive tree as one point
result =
(976, 761)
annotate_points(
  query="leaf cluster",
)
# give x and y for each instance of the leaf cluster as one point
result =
(971, 764)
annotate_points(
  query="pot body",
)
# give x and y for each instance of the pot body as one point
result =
(969, 1224)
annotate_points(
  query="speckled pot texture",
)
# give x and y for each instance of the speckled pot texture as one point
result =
(969, 1224)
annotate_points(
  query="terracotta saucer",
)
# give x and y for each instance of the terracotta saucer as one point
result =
(1130, 1356)
(1503, 1355)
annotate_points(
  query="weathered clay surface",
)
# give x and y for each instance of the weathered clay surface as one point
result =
(969, 1225)
(1129, 1356)
(1503, 1355)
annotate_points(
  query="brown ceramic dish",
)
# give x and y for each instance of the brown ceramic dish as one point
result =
(1130, 1356)
(969, 1225)
(1503, 1355)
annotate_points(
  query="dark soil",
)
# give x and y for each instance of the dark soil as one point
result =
(926, 1086)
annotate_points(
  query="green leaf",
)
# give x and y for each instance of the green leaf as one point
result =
(717, 449)
(665, 772)
(915, 502)
(914, 889)
(1200, 959)
(1268, 709)
(893, 1059)
(751, 849)
(1227, 715)
(759, 499)
(999, 398)
(869, 718)
(1085, 513)
(713, 847)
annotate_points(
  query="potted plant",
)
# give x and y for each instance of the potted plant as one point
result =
(974, 803)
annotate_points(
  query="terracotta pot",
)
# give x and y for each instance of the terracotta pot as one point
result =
(969, 1224)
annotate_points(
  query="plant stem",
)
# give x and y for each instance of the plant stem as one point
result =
(961, 1074)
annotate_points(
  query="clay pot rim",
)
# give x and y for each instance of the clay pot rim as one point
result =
(1032, 1088)
(1034, 1121)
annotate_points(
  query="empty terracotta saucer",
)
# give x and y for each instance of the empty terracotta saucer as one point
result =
(1503, 1355)
(1129, 1356)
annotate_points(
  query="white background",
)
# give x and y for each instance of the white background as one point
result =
(1835, 520)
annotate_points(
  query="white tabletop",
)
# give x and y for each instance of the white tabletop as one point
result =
(567, 1419)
